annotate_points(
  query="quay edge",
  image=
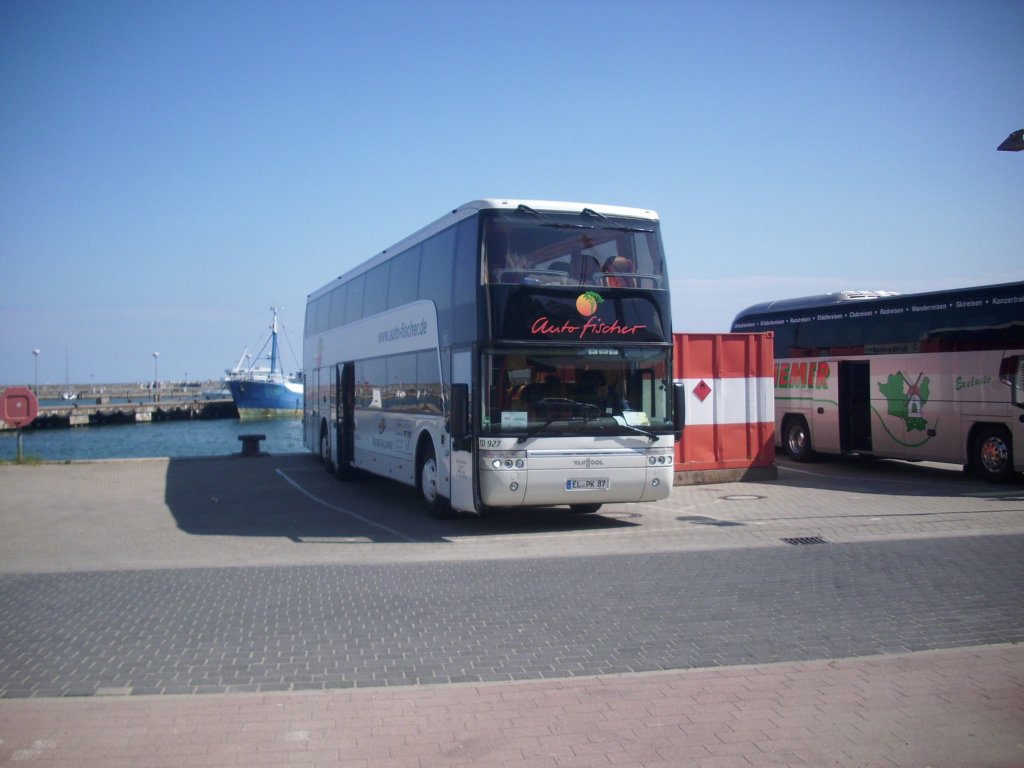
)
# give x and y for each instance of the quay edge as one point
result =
(79, 414)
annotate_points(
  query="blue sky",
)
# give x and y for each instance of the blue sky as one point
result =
(169, 170)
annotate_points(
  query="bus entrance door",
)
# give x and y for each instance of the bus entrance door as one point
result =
(346, 417)
(855, 405)
(461, 459)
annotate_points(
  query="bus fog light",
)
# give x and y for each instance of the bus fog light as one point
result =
(513, 487)
(655, 482)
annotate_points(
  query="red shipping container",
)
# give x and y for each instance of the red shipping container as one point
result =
(730, 407)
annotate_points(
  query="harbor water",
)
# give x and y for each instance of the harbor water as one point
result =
(175, 439)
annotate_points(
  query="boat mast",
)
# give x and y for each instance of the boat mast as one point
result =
(273, 343)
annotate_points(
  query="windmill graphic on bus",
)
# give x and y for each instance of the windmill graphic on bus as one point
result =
(906, 400)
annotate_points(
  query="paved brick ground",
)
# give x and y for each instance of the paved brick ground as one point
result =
(944, 709)
(222, 630)
(898, 640)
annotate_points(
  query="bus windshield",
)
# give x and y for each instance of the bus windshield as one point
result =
(524, 246)
(573, 391)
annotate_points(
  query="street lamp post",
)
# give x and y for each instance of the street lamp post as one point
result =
(156, 376)
(35, 355)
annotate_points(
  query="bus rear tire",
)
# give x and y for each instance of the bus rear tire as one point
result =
(993, 454)
(438, 507)
(796, 439)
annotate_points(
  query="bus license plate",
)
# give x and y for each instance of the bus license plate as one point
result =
(590, 484)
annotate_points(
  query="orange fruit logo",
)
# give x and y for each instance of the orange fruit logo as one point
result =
(586, 303)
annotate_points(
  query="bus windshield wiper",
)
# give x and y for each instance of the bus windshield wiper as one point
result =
(624, 228)
(535, 431)
(649, 435)
(549, 222)
(572, 405)
(614, 227)
(523, 208)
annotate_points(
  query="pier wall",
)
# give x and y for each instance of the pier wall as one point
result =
(80, 414)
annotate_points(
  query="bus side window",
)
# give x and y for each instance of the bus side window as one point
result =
(496, 254)
(403, 286)
(465, 279)
(1011, 373)
(375, 294)
(436, 273)
(354, 299)
(336, 315)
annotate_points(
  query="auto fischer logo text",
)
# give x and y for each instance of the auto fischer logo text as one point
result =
(586, 305)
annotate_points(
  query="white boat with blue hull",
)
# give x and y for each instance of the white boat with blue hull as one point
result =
(262, 392)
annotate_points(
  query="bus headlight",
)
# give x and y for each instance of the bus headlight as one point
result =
(660, 457)
(503, 459)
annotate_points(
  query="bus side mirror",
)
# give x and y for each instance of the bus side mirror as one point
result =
(460, 412)
(678, 407)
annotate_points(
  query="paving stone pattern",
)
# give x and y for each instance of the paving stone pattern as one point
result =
(264, 629)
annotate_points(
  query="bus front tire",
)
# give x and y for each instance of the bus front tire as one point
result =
(438, 506)
(796, 439)
(993, 454)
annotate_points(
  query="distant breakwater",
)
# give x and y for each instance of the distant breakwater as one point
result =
(97, 411)
(52, 394)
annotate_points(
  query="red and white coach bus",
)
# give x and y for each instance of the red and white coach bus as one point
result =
(931, 376)
(512, 353)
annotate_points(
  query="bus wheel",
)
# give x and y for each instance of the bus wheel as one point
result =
(437, 505)
(796, 439)
(993, 454)
(584, 509)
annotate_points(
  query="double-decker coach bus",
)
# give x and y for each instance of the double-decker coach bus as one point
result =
(512, 353)
(929, 376)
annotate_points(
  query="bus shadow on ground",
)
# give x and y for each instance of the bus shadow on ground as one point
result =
(248, 497)
(401, 507)
(506, 522)
(892, 477)
(290, 496)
